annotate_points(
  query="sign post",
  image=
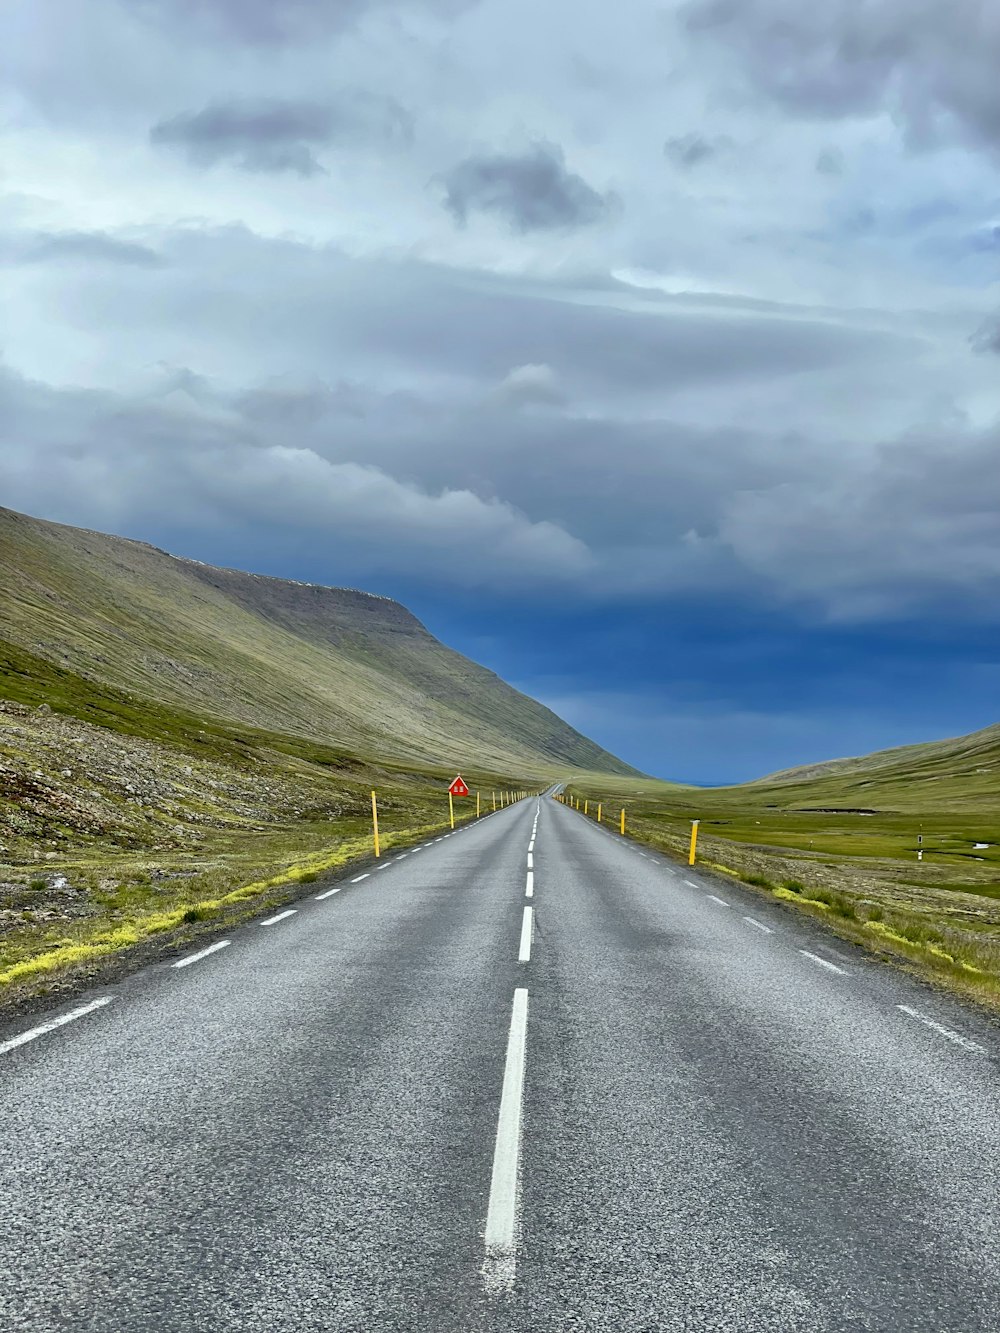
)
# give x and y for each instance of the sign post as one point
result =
(375, 824)
(457, 788)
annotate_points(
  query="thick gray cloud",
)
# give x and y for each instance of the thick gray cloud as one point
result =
(690, 150)
(108, 459)
(89, 247)
(273, 22)
(531, 191)
(926, 62)
(276, 136)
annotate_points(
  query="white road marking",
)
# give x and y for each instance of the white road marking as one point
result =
(524, 952)
(531, 861)
(197, 957)
(330, 892)
(823, 962)
(500, 1265)
(401, 856)
(759, 925)
(24, 1037)
(529, 888)
(384, 866)
(282, 916)
(712, 898)
(361, 877)
(691, 884)
(956, 1037)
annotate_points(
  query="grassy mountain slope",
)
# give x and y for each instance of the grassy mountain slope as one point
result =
(342, 667)
(962, 769)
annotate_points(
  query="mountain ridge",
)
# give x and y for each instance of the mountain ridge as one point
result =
(344, 665)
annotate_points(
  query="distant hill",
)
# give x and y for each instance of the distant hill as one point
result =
(333, 665)
(965, 768)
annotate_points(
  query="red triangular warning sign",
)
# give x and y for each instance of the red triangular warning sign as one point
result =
(458, 787)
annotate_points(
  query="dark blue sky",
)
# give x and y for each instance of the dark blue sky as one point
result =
(653, 364)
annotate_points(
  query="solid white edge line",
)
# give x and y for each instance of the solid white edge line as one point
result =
(712, 898)
(524, 951)
(823, 962)
(529, 888)
(282, 916)
(956, 1037)
(23, 1038)
(359, 878)
(759, 924)
(500, 1264)
(330, 892)
(203, 953)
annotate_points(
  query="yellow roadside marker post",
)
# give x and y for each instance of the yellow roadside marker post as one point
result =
(598, 813)
(494, 795)
(451, 809)
(378, 851)
(586, 806)
(477, 805)
(694, 841)
(623, 819)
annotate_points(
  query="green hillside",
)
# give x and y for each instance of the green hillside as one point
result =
(337, 666)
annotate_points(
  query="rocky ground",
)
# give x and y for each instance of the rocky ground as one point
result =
(75, 799)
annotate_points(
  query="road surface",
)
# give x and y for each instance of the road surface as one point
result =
(425, 1100)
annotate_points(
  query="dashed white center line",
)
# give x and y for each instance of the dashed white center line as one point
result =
(330, 892)
(940, 1028)
(282, 916)
(759, 925)
(202, 953)
(401, 856)
(823, 962)
(531, 861)
(500, 1264)
(23, 1038)
(359, 878)
(524, 952)
(529, 888)
(712, 898)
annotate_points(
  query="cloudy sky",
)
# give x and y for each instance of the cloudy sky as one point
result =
(651, 355)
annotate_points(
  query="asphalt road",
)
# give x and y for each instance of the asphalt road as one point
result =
(408, 1106)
